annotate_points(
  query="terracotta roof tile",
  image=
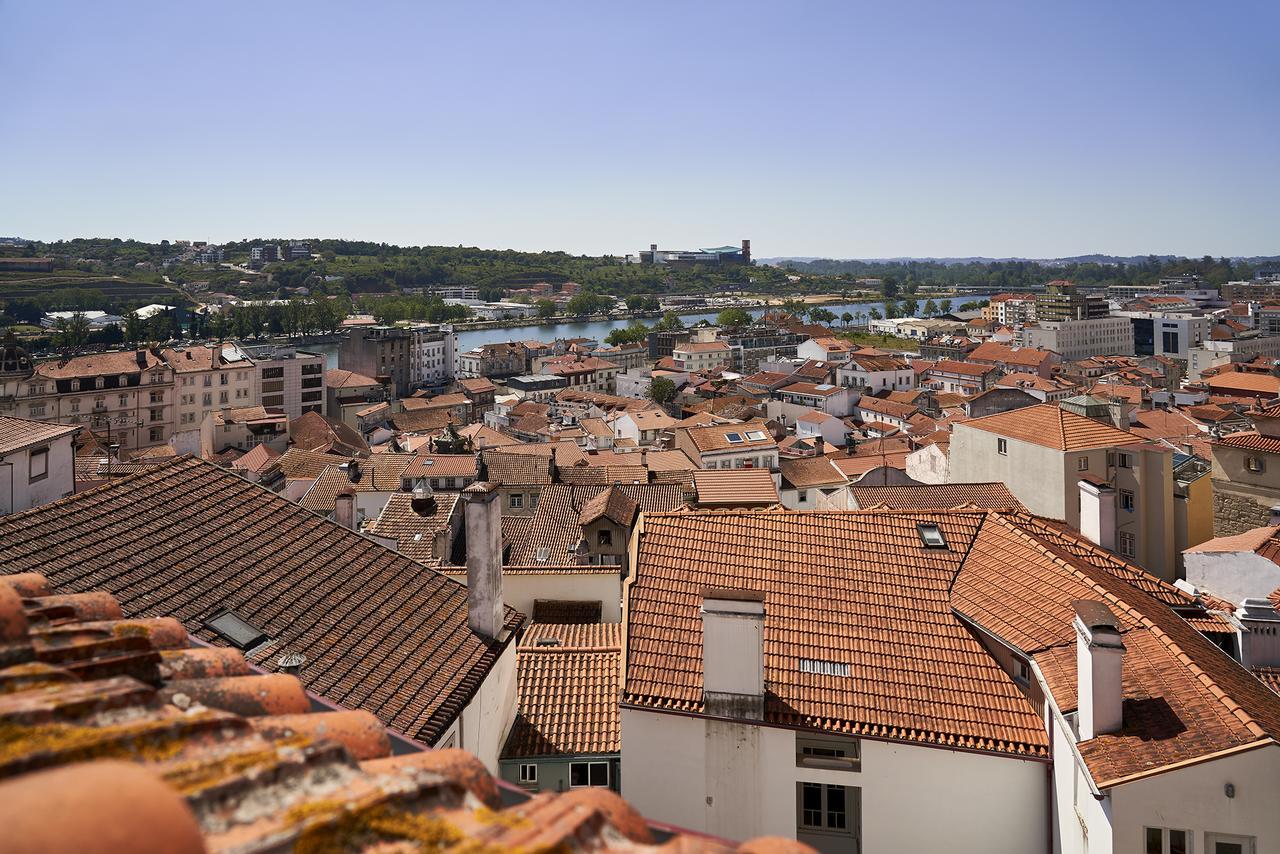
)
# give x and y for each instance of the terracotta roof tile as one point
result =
(735, 488)
(441, 465)
(805, 472)
(378, 473)
(988, 496)
(308, 584)
(416, 524)
(1250, 440)
(568, 682)
(1053, 427)
(555, 528)
(19, 433)
(315, 432)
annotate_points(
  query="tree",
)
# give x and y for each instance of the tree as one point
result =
(846, 319)
(661, 391)
(73, 331)
(793, 307)
(733, 318)
(133, 328)
(945, 306)
(669, 322)
(891, 308)
(910, 306)
(930, 308)
(635, 302)
(875, 314)
(632, 334)
(821, 315)
(546, 308)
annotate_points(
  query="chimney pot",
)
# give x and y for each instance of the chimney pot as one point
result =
(485, 613)
(291, 663)
(1099, 669)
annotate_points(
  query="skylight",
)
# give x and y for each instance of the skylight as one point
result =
(733, 438)
(755, 435)
(824, 668)
(543, 554)
(236, 630)
(931, 536)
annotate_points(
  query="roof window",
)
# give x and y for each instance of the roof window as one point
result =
(733, 438)
(755, 435)
(931, 536)
(824, 668)
(234, 629)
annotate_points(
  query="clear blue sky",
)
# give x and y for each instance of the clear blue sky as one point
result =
(843, 129)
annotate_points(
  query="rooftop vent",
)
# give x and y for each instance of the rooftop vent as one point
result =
(824, 668)
(548, 642)
(931, 536)
(234, 629)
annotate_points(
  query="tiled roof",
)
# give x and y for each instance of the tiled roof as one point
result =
(992, 351)
(378, 473)
(1250, 440)
(338, 378)
(1184, 698)
(735, 487)
(877, 363)
(804, 472)
(1053, 427)
(99, 364)
(555, 527)
(988, 496)
(485, 437)
(506, 467)
(882, 406)
(161, 744)
(1237, 381)
(297, 464)
(257, 459)
(856, 466)
(814, 390)
(1263, 541)
(310, 585)
(19, 433)
(712, 438)
(441, 465)
(245, 415)
(915, 672)
(613, 504)
(198, 357)
(315, 432)
(568, 681)
(420, 420)
(703, 347)
(476, 385)
(414, 524)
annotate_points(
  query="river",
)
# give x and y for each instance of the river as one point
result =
(596, 329)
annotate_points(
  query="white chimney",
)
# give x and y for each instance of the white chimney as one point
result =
(733, 653)
(344, 510)
(1260, 640)
(1099, 669)
(484, 559)
(1098, 513)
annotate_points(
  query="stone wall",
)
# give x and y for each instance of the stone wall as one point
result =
(1236, 511)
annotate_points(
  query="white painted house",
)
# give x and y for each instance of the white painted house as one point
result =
(969, 681)
(876, 373)
(37, 463)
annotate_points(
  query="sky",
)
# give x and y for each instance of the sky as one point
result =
(844, 129)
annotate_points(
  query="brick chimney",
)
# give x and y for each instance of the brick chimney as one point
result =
(344, 510)
(733, 653)
(1099, 669)
(484, 559)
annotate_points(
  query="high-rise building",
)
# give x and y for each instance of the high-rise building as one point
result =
(288, 380)
(1062, 300)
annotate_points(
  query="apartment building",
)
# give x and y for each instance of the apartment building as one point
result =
(697, 356)
(1010, 309)
(288, 380)
(433, 354)
(1080, 339)
(775, 664)
(1171, 334)
(1015, 359)
(127, 397)
(959, 377)
(1211, 354)
(872, 374)
(207, 378)
(729, 446)
(495, 361)
(1062, 301)
(1101, 480)
(382, 351)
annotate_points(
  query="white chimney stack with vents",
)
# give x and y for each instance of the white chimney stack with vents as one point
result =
(733, 653)
(485, 613)
(1099, 669)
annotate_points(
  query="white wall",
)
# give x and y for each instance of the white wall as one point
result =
(1034, 474)
(520, 589)
(738, 781)
(18, 493)
(1235, 576)
(930, 464)
(482, 727)
(1194, 799)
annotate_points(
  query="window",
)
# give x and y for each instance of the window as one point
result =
(595, 774)
(822, 751)
(1082, 464)
(1161, 840)
(235, 629)
(515, 500)
(124, 400)
(39, 465)
(207, 399)
(733, 438)
(222, 397)
(1257, 465)
(1127, 500)
(156, 434)
(75, 406)
(450, 483)
(37, 410)
(1127, 545)
(1021, 672)
(272, 373)
(802, 495)
(931, 536)
(604, 537)
(1223, 843)
(1002, 446)
(222, 379)
(823, 807)
(528, 773)
(755, 435)
(1124, 460)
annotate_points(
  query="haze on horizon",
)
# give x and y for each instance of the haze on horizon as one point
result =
(853, 130)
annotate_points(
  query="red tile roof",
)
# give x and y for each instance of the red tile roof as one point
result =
(1250, 440)
(1053, 427)
(735, 488)
(19, 433)
(987, 496)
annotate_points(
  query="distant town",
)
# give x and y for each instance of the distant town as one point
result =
(665, 546)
